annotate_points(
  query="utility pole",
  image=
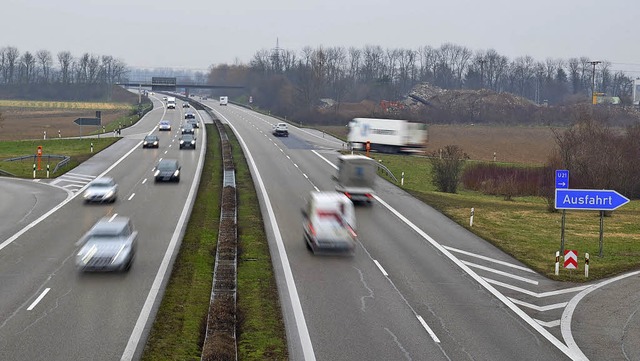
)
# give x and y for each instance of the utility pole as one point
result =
(593, 81)
(482, 61)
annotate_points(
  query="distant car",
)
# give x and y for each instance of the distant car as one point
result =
(193, 122)
(110, 245)
(164, 125)
(167, 170)
(185, 105)
(101, 190)
(187, 129)
(187, 141)
(164, 98)
(281, 130)
(151, 141)
(189, 115)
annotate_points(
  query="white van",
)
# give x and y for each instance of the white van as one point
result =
(224, 100)
(329, 223)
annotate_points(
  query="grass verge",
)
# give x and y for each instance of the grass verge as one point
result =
(525, 229)
(261, 333)
(78, 149)
(178, 331)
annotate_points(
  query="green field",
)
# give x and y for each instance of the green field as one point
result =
(524, 228)
(78, 149)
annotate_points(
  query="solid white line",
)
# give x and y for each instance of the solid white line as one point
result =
(131, 197)
(46, 290)
(526, 318)
(526, 269)
(301, 324)
(539, 308)
(549, 324)
(80, 175)
(429, 331)
(380, 267)
(84, 181)
(535, 294)
(144, 181)
(567, 315)
(145, 313)
(113, 217)
(505, 274)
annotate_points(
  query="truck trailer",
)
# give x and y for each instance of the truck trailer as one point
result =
(387, 135)
(356, 177)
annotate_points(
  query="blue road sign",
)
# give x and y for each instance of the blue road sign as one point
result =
(562, 179)
(589, 199)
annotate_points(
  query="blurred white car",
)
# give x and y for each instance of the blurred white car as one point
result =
(101, 190)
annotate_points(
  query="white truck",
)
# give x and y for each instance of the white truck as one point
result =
(224, 100)
(171, 102)
(329, 223)
(387, 135)
(356, 177)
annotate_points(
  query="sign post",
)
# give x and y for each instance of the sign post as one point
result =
(562, 182)
(590, 199)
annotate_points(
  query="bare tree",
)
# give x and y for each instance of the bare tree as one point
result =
(44, 60)
(27, 67)
(12, 56)
(65, 59)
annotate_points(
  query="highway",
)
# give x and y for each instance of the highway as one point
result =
(403, 295)
(419, 287)
(49, 310)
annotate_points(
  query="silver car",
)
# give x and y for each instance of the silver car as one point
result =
(109, 245)
(101, 190)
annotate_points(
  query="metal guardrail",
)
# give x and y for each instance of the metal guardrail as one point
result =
(65, 160)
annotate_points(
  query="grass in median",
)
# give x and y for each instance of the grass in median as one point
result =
(525, 229)
(178, 330)
(261, 333)
(78, 149)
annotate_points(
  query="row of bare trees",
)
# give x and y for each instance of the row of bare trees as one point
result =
(42, 68)
(371, 72)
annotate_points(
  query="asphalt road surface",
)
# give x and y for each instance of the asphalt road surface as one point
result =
(51, 311)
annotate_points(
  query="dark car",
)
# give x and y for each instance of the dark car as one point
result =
(167, 170)
(187, 129)
(110, 245)
(187, 141)
(193, 122)
(151, 141)
(185, 105)
(189, 115)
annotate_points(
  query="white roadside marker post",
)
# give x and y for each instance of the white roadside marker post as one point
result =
(557, 262)
(471, 218)
(586, 265)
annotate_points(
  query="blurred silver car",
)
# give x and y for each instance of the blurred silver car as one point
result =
(101, 190)
(110, 245)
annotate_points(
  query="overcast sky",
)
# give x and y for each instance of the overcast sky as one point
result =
(195, 34)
